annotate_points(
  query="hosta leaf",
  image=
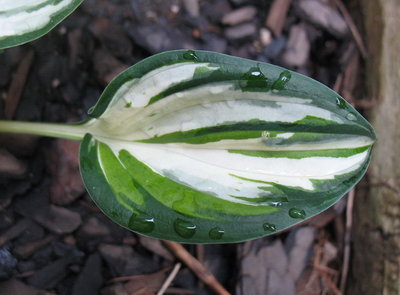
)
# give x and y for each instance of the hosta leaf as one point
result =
(22, 21)
(207, 148)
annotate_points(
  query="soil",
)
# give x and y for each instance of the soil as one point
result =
(54, 240)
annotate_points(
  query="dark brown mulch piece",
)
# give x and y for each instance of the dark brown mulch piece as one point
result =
(58, 219)
(14, 286)
(90, 278)
(10, 165)
(14, 231)
(17, 85)
(67, 183)
(124, 260)
(26, 250)
(49, 276)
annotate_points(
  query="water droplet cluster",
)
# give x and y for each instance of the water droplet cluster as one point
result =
(187, 229)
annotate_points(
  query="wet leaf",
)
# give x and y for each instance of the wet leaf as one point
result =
(201, 147)
(22, 21)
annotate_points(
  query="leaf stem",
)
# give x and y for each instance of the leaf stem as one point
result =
(68, 131)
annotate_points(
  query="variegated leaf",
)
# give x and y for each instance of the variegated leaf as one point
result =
(203, 147)
(22, 21)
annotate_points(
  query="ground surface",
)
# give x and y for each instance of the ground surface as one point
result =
(53, 239)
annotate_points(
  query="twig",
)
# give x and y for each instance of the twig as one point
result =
(200, 256)
(330, 283)
(326, 269)
(351, 73)
(129, 278)
(199, 269)
(200, 252)
(169, 279)
(353, 29)
(175, 291)
(347, 237)
(338, 83)
(17, 85)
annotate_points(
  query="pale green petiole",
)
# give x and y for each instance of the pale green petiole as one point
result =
(68, 131)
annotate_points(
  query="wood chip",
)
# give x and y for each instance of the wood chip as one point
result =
(277, 16)
(27, 250)
(240, 15)
(10, 165)
(17, 85)
(155, 246)
(14, 231)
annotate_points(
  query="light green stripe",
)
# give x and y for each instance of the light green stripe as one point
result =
(118, 178)
(182, 198)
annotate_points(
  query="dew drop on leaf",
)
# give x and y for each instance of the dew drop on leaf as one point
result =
(254, 80)
(297, 213)
(341, 103)
(190, 55)
(216, 233)
(184, 228)
(351, 117)
(283, 79)
(276, 204)
(269, 227)
(141, 223)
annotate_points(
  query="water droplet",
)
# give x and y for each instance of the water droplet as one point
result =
(269, 227)
(341, 103)
(276, 204)
(184, 228)
(297, 213)
(190, 55)
(283, 79)
(216, 233)
(141, 223)
(254, 80)
(351, 117)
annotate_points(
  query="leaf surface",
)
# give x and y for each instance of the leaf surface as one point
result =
(22, 21)
(201, 147)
